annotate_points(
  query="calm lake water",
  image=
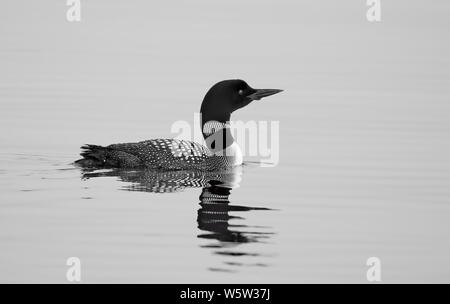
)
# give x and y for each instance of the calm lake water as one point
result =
(364, 167)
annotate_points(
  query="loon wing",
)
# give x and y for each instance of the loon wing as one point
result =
(167, 154)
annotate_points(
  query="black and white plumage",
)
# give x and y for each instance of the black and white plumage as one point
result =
(220, 152)
(160, 154)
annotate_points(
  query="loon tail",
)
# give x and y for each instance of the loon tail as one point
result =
(93, 156)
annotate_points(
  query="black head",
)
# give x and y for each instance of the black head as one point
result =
(227, 96)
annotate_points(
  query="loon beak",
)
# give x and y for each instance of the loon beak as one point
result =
(260, 93)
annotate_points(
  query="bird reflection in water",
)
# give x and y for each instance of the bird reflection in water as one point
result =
(215, 213)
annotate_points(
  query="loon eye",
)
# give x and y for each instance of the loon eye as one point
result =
(241, 92)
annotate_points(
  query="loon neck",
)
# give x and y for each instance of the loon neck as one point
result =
(217, 135)
(220, 141)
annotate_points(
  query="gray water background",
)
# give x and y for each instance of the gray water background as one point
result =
(364, 139)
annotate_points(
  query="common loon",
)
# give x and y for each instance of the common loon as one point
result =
(221, 151)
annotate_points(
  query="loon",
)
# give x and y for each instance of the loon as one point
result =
(221, 151)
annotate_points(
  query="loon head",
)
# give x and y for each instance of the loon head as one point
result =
(220, 101)
(227, 96)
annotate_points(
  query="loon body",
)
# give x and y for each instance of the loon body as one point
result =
(220, 152)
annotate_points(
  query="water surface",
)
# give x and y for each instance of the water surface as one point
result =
(364, 166)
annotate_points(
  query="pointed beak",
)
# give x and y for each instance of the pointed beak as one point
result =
(260, 93)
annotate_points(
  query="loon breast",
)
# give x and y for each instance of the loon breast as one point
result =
(235, 154)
